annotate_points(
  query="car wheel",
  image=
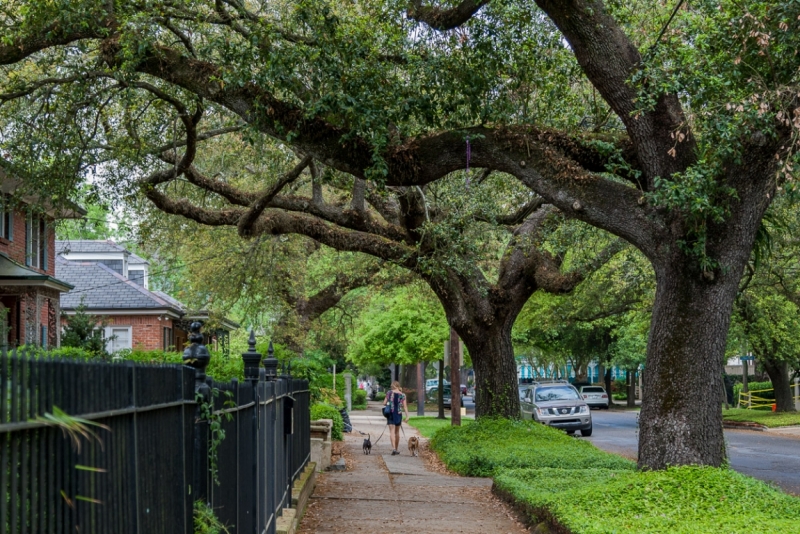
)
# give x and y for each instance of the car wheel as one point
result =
(586, 433)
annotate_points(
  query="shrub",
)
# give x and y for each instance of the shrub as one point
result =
(71, 353)
(326, 411)
(380, 396)
(681, 500)
(480, 449)
(360, 399)
(149, 356)
(205, 520)
(85, 331)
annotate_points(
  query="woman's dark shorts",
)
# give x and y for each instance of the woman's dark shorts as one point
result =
(396, 419)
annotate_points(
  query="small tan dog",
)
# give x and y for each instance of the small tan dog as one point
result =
(413, 445)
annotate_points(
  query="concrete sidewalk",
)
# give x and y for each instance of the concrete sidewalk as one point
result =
(385, 493)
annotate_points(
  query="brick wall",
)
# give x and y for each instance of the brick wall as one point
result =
(147, 330)
(16, 248)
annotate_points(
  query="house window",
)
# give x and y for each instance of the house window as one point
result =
(43, 336)
(6, 223)
(119, 338)
(168, 342)
(36, 253)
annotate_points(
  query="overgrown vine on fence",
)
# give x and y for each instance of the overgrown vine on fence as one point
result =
(216, 432)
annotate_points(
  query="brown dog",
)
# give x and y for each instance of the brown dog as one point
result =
(413, 445)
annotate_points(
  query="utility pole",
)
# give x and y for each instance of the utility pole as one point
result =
(455, 379)
(440, 392)
(420, 389)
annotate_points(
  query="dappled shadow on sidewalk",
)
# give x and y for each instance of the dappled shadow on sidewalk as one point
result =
(381, 492)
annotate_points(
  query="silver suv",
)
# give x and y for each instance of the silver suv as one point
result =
(557, 404)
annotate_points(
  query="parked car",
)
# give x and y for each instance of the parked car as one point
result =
(594, 396)
(463, 389)
(447, 395)
(557, 404)
(434, 382)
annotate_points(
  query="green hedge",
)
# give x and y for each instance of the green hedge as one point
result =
(380, 396)
(578, 489)
(680, 500)
(326, 411)
(480, 449)
(360, 399)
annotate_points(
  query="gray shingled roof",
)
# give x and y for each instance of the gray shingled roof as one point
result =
(133, 259)
(102, 288)
(83, 245)
(172, 300)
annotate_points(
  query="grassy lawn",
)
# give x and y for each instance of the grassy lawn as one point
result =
(579, 489)
(763, 417)
(428, 425)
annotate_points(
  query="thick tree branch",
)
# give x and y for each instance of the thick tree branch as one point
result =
(445, 19)
(609, 59)
(329, 296)
(519, 215)
(260, 204)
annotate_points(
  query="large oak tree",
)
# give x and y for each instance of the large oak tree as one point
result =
(699, 108)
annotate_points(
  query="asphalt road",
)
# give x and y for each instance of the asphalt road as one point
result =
(768, 455)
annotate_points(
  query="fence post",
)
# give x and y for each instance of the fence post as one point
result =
(348, 388)
(197, 356)
(253, 374)
(288, 424)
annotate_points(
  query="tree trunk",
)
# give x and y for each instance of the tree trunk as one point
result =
(681, 417)
(607, 382)
(630, 383)
(495, 370)
(408, 381)
(440, 390)
(778, 371)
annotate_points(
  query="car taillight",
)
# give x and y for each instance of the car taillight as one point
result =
(586, 396)
(603, 396)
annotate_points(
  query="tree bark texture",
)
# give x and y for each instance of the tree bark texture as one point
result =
(495, 370)
(455, 379)
(778, 371)
(681, 414)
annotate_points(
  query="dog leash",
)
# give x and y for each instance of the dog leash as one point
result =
(382, 433)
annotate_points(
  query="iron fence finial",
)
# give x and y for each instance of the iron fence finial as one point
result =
(271, 363)
(196, 355)
(252, 359)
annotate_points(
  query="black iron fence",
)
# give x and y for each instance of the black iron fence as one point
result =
(120, 448)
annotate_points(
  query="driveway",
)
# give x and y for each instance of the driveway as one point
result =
(772, 456)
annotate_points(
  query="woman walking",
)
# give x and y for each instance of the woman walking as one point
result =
(396, 400)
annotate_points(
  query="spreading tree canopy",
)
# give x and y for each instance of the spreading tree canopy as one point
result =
(673, 129)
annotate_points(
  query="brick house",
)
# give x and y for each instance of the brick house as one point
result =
(112, 283)
(30, 290)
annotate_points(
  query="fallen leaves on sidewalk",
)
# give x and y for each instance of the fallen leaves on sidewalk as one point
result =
(432, 461)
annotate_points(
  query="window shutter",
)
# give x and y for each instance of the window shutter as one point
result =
(28, 251)
(43, 242)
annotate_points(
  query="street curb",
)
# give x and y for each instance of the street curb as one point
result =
(537, 518)
(743, 425)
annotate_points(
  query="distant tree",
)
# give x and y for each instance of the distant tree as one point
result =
(404, 327)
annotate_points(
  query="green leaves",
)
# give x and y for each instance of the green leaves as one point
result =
(404, 327)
